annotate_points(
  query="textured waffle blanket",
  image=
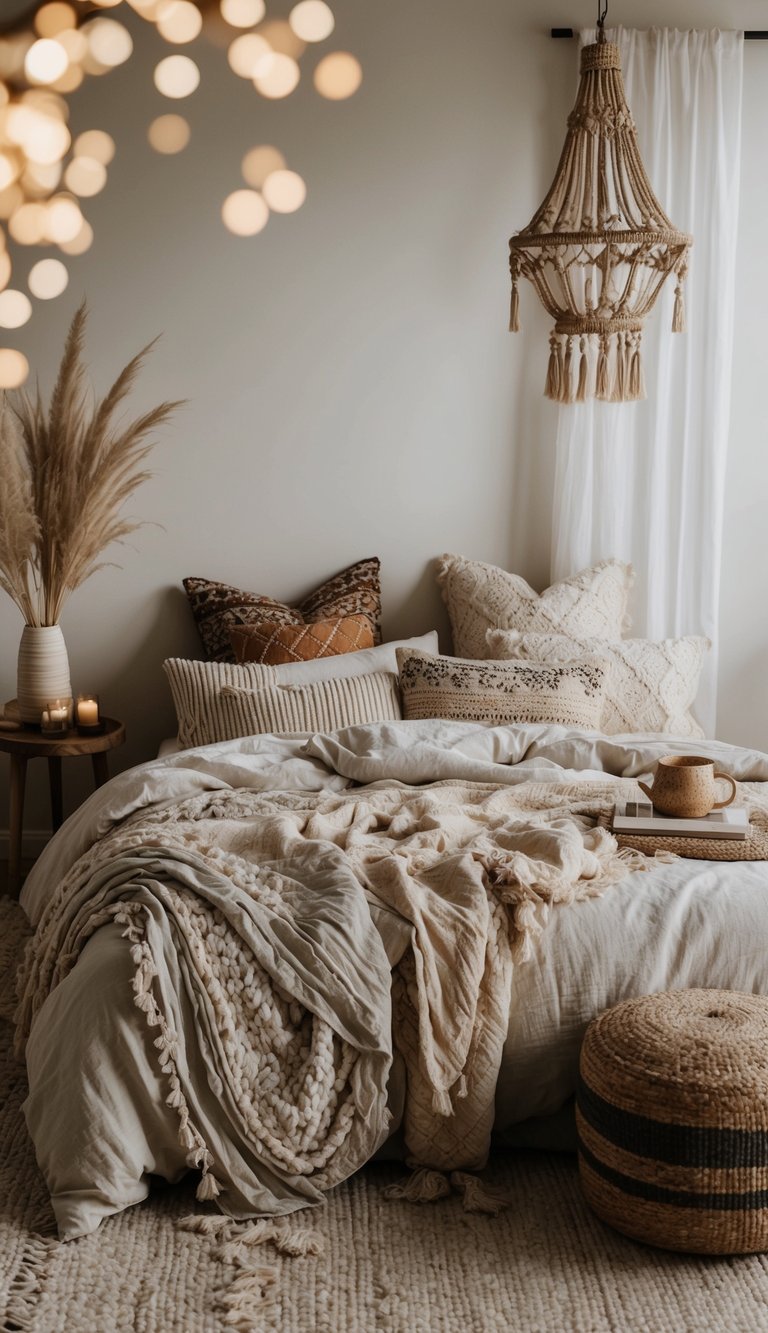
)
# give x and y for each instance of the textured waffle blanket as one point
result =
(271, 933)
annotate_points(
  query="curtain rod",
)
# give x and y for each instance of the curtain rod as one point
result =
(751, 35)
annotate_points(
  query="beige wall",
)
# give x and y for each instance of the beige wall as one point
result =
(351, 386)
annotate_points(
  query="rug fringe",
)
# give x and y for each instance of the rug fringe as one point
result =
(243, 1302)
(26, 1285)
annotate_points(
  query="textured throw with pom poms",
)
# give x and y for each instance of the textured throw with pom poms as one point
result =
(279, 939)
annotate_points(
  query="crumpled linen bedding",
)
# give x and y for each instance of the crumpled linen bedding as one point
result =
(99, 1117)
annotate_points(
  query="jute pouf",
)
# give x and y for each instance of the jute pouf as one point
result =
(672, 1117)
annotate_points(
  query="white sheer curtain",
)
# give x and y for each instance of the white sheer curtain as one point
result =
(644, 481)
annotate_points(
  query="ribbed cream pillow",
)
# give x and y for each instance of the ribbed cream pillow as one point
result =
(480, 597)
(502, 692)
(652, 684)
(218, 701)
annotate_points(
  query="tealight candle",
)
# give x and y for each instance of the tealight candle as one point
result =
(56, 716)
(87, 713)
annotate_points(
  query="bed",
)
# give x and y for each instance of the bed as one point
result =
(268, 885)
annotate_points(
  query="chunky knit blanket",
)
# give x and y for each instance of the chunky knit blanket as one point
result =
(272, 933)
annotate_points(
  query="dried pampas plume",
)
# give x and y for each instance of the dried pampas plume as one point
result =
(65, 474)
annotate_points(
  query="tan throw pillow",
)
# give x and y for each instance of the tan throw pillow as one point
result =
(218, 701)
(480, 597)
(652, 685)
(498, 693)
(217, 607)
(277, 644)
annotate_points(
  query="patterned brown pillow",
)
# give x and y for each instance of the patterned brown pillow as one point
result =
(277, 644)
(217, 607)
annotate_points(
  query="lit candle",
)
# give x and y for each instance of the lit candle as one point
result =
(88, 711)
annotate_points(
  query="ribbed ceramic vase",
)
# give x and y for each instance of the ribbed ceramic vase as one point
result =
(43, 670)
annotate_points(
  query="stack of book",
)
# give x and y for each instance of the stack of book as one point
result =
(640, 817)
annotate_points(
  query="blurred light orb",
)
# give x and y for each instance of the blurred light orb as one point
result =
(177, 76)
(85, 177)
(338, 76)
(80, 243)
(5, 268)
(45, 61)
(106, 4)
(250, 55)
(11, 200)
(47, 279)
(179, 21)
(9, 170)
(108, 42)
(282, 38)
(312, 20)
(70, 80)
(242, 13)
(75, 44)
(28, 224)
(169, 134)
(63, 219)
(15, 309)
(55, 18)
(284, 191)
(259, 163)
(244, 213)
(280, 78)
(96, 144)
(14, 368)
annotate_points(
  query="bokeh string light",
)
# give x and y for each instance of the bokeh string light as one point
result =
(47, 177)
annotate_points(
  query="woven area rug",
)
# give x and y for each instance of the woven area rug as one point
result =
(545, 1265)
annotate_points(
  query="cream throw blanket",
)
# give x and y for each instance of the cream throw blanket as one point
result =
(286, 912)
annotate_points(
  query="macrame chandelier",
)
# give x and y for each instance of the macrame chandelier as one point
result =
(600, 246)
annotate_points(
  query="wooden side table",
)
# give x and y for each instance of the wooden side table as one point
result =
(29, 743)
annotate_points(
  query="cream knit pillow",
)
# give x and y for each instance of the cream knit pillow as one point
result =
(218, 701)
(652, 685)
(480, 597)
(501, 692)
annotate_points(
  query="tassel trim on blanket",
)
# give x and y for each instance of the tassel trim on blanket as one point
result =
(427, 1186)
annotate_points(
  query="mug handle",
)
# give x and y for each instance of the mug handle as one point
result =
(726, 777)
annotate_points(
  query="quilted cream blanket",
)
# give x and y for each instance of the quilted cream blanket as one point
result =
(271, 933)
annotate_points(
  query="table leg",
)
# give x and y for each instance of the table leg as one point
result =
(100, 769)
(18, 783)
(54, 783)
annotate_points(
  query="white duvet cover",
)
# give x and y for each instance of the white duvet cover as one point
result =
(96, 1109)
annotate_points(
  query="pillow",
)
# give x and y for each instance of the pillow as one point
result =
(497, 693)
(218, 701)
(278, 644)
(480, 597)
(216, 607)
(651, 687)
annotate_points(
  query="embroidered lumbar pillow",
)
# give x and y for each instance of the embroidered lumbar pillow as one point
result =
(277, 644)
(502, 692)
(218, 607)
(480, 597)
(652, 685)
(218, 701)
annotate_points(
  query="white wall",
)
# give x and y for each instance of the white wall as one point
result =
(352, 389)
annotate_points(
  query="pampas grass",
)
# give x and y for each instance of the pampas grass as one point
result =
(65, 474)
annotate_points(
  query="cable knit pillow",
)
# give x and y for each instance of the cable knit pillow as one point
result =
(217, 607)
(278, 644)
(652, 685)
(480, 597)
(217, 701)
(498, 693)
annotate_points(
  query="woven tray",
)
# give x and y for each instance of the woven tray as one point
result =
(753, 848)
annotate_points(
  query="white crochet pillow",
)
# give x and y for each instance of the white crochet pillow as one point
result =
(651, 687)
(498, 693)
(479, 597)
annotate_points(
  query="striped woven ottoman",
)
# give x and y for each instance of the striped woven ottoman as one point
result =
(672, 1118)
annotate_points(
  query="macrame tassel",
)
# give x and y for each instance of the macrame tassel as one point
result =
(514, 309)
(422, 1186)
(602, 378)
(566, 392)
(208, 1188)
(636, 385)
(477, 1197)
(678, 315)
(554, 369)
(581, 388)
(620, 382)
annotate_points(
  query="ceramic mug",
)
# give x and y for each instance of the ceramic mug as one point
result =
(684, 785)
